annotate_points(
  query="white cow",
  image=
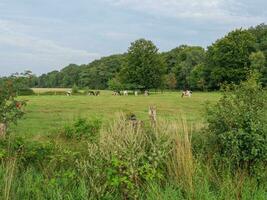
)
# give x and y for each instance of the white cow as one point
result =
(187, 93)
(136, 93)
(69, 93)
(146, 93)
(125, 93)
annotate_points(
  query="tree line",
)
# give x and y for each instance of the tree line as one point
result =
(227, 60)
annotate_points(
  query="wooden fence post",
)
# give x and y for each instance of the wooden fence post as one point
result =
(2, 130)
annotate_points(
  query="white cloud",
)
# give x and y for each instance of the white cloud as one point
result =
(221, 11)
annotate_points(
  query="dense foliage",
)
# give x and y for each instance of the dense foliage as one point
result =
(145, 68)
(10, 108)
(238, 125)
(228, 60)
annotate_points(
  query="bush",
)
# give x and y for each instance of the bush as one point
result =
(83, 128)
(238, 126)
(28, 152)
(35, 153)
(130, 157)
(10, 109)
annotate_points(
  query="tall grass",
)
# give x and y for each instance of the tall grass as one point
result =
(8, 178)
(181, 164)
(128, 161)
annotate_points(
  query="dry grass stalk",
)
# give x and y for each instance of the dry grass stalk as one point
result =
(181, 162)
(9, 175)
(152, 113)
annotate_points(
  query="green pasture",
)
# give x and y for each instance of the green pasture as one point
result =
(47, 114)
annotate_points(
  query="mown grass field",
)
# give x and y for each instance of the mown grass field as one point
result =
(46, 114)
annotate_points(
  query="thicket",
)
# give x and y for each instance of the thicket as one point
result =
(238, 127)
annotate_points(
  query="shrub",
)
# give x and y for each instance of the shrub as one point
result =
(35, 153)
(83, 128)
(27, 152)
(10, 108)
(238, 126)
(125, 158)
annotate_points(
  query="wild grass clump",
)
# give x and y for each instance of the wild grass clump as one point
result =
(130, 157)
(181, 164)
(83, 128)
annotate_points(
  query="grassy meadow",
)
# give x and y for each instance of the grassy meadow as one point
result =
(46, 113)
(59, 150)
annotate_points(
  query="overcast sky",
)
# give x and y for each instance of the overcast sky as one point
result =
(45, 35)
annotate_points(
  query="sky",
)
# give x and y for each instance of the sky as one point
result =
(47, 35)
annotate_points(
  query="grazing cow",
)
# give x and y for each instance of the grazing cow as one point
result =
(152, 112)
(68, 93)
(97, 93)
(146, 93)
(136, 93)
(91, 93)
(116, 93)
(125, 93)
(2, 130)
(186, 93)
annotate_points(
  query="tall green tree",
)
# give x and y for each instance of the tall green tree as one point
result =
(197, 78)
(145, 67)
(97, 74)
(181, 61)
(257, 60)
(170, 81)
(228, 58)
(260, 33)
(70, 75)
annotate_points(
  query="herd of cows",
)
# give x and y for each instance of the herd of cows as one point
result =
(185, 93)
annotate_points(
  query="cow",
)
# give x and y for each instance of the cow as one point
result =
(68, 93)
(136, 93)
(116, 93)
(97, 93)
(186, 93)
(125, 93)
(91, 93)
(146, 93)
